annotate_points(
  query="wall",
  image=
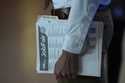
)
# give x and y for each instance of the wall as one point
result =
(17, 42)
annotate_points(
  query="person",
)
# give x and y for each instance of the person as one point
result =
(80, 18)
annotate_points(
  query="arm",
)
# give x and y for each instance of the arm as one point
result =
(81, 15)
(82, 12)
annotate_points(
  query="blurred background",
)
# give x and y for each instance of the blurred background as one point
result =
(17, 41)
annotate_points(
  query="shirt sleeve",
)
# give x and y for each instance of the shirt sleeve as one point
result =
(80, 17)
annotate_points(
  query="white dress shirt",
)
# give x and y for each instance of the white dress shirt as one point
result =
(80, 17)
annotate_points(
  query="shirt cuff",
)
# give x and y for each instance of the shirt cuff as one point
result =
(72, 44)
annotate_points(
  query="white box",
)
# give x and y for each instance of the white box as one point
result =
(54, 30)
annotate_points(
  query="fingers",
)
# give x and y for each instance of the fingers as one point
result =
(68, 71)
(73, 67)
(66, 67)
(62, 76)
(62, 71)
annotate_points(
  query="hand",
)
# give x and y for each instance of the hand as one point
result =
(67, 66)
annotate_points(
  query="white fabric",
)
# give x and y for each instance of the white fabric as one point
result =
(67, 3)
(81, 15)
(62, 3)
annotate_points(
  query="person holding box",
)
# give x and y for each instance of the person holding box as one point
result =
(81, 15)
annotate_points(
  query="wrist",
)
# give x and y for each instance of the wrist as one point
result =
(64, 52)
